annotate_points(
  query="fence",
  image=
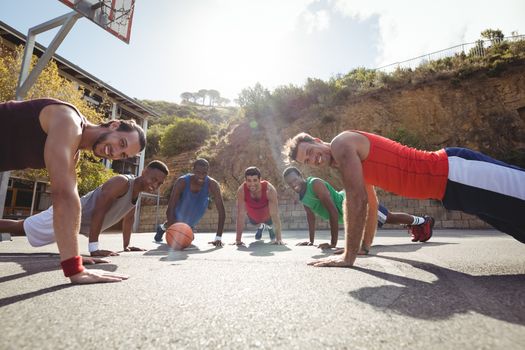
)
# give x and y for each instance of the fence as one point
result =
(477, 48)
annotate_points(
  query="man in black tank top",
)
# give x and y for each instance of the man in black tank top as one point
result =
(48, 133)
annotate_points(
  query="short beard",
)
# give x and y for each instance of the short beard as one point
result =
(100, 139)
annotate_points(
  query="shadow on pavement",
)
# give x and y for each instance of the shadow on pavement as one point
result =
(259, 248)
(31, 263)
(391, 248)
(21, 297)
(498, 296)
(174, 255)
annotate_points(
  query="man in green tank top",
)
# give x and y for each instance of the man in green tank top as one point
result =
(320, 198)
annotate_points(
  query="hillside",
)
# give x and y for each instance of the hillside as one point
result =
(482, 112)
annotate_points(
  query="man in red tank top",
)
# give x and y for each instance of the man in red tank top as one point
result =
(48, 133)
(258, 200)
(460, 178)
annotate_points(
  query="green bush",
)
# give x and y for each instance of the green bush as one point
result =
(91, 175)
(155, 133)
(183, 135)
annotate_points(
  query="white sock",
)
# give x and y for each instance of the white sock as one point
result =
(418, 220)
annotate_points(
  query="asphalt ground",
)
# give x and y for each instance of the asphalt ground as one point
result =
(461, 290)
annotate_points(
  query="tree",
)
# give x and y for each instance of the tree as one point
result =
(494, 35)
(184, 134)
(214, 96)
(255, 101)
(202, 93)
(187, 96)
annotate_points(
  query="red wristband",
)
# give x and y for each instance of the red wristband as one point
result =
(72, 266)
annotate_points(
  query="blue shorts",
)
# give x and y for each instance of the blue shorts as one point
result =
(488, 188)
(382, 213)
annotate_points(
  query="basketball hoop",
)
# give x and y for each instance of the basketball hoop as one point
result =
(115, 16)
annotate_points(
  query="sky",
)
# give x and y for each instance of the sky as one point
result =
(181, 46)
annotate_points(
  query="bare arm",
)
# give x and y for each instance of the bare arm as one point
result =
(127, 225)
(347, 150)
(111, 190)
(176, 192)
(323, 194)
(63, 137)
(310, 218)
(61, 145)
(271, 193)
(241, 212)
(217, 197)
(371, 220)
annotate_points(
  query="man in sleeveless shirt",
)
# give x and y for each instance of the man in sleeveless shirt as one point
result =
(190, 198)
(48, 133)
(462, 179)
(258, 200)
(321, 199)
(101, 208)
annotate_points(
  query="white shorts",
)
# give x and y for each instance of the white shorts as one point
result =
(39, 228)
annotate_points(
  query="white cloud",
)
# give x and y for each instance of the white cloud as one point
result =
(411, 28)
(316, 21)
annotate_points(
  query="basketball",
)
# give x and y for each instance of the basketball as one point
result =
(179, 236)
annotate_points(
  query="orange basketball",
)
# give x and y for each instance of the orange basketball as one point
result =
(179, 235)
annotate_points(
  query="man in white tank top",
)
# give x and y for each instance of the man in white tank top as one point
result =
(101, 209)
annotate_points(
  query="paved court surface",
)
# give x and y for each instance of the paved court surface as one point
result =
(462, 290)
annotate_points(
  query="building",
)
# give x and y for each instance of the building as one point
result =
(25, 197)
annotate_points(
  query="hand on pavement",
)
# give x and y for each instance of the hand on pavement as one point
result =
(325, 246)
(96, 276)
(278, 242)
(134, 249)
(332, 262)
(216, 243)
(86, 260)
(103, 253)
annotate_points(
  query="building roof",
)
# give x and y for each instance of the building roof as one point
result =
(82, 77)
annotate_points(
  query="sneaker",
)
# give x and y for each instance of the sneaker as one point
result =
(414, 231)
(258, 233)
(271, 232)
(160, 233)
(425, 229)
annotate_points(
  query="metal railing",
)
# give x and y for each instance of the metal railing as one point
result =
(477, 48)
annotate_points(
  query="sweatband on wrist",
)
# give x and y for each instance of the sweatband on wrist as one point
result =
(93, 246)
(72, 266)
(218, 238)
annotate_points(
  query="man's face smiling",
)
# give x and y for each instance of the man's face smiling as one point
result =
(200, 173)
(253, 182)
(152, 179)
(315, 154)
(295, 182)
(117, 145)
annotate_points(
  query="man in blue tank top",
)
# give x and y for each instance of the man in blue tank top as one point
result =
(189, 200)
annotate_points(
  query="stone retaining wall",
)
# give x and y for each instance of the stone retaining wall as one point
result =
(293, 215)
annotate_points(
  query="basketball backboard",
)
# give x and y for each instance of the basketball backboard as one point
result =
(115, 16)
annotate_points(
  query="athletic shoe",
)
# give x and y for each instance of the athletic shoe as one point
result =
(258, 233)
(414, 231)
(425, 230)
(160, 233)
(271, 232)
